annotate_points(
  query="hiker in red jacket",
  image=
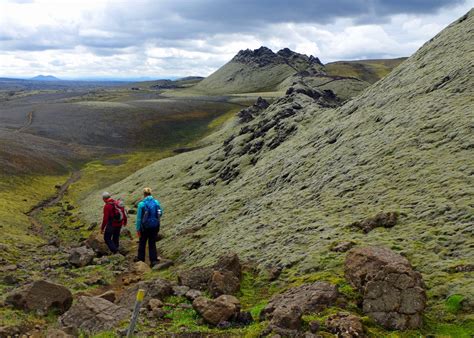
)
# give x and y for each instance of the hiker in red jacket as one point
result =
(114, 218)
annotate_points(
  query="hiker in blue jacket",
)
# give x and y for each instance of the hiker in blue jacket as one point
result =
(148, 225)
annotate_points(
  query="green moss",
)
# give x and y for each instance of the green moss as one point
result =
(454, 303)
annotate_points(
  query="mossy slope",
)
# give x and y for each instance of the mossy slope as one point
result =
(404, 145)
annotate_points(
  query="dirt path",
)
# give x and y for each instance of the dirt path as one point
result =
(36, 225)
(29, 121)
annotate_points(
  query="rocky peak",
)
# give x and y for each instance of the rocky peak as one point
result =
(261, 56)
(264, 56)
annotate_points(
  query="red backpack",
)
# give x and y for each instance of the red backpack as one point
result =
(118, 211)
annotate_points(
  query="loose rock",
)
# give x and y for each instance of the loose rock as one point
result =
(41, 296)
(215, 311)
(345, 325)
(93, 314)
(223, 283)
(308, 297)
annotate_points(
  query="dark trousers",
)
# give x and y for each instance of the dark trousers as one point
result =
(148, 235)
(111, 237)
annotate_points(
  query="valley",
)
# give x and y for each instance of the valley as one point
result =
(301, 199)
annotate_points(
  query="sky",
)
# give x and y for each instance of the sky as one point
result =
(170, 38)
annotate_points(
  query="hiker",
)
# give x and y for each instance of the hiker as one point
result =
(148, 225)
(114, 218)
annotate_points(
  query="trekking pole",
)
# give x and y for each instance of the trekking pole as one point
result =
(136, 312)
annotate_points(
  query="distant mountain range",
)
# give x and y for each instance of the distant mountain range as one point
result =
(45, 78)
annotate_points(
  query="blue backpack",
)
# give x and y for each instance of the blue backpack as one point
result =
(151, 216)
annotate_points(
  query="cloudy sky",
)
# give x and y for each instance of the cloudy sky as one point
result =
(159, 38)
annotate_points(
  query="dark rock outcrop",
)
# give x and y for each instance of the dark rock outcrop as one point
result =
(393, 293)
(41, 296)
(93, 314)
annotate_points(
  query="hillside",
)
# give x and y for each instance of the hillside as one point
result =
(366, 70)
(282, 185)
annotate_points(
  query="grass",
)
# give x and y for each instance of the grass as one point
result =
(454, 303)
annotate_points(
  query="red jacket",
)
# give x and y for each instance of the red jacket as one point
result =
(108, 217)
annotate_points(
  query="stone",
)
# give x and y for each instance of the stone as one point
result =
(96, 242)
(93, 314)
(274, 273)
(140, 268)
(229, 262)
(196, 278)
(193, 294)
(345, 325)
(393, 293)
(163, 264)
(41, 296)
(308, 297)
(342, 246)
(180, 290)
(287, 317)
(110, 295)
(382, 219)
(364, 261)
(314, 326)
(223, 283)
(56, 333)
(243, 319)
(154, 304)
(215, 311)
(157, 288)
(80, 257)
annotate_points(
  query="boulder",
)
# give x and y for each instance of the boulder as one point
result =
(193, 294)
(287, 317)
(154, 304)
(308, 297)
(229, 262)
(345, 325)
(223, 283)
(382, 219)
(96, 243)
(180, 290)
(362, 262)
(215, 311)
(41, 296)
(393, 293)
(93, 314)
(157, 288)
(140, 268)
(197, 278)
(110, 295)
(81, 256)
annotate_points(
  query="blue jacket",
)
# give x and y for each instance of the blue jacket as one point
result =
(140, 211)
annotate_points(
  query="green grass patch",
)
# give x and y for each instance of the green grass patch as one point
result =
(454, 303)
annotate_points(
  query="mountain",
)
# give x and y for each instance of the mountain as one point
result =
(282, 185)
(45, 78)
(365, 70)
(262, 70)
(258, 70)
